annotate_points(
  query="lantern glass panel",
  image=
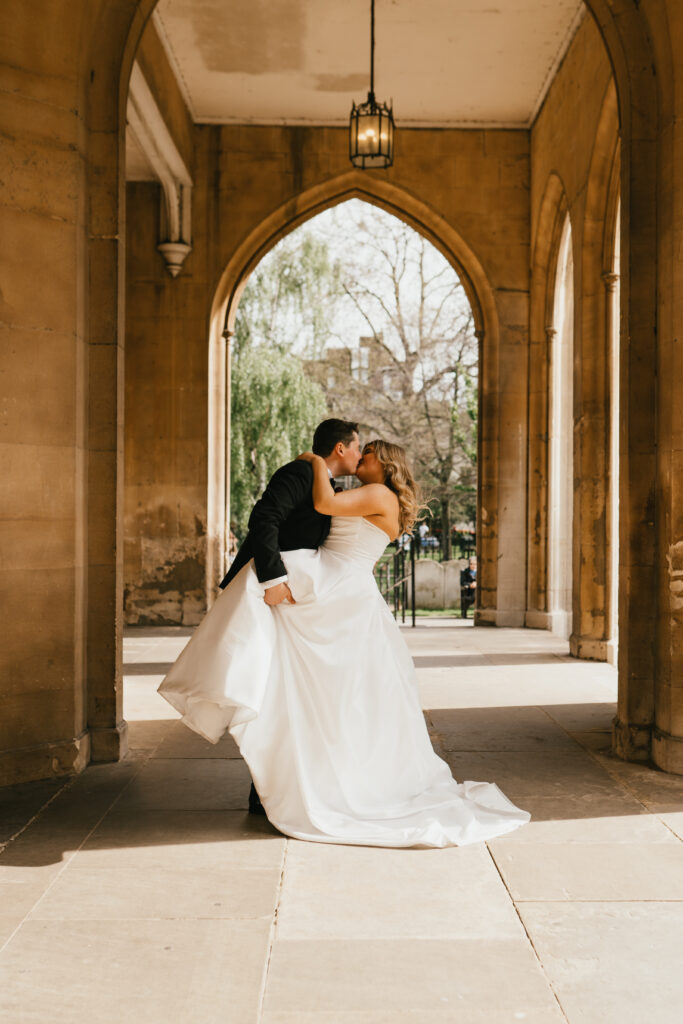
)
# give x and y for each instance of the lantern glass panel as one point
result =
(369, 134)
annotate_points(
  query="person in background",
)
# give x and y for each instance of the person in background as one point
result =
(468, 586)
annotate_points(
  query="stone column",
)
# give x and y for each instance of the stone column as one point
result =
(501, 529)
(639, 593)
(611, 279)
(111, 36)
(43, 429)
(590, 597)
(538, 613)
(487, 532)
(667, 740)
(512, 385)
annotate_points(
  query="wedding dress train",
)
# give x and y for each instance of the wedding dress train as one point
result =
(322, 699)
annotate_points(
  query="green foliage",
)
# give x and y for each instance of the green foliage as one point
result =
(290, 300)
(275, 408)
(354, 275)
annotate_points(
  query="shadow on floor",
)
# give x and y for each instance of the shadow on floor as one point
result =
(457, 660)
(146, 668)
(175, 788)
(158, 668)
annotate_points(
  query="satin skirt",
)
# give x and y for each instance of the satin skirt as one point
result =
(322, 700)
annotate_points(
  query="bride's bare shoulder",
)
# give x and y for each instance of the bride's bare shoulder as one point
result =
(381, 492)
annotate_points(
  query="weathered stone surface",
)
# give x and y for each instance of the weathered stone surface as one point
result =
(481, 197)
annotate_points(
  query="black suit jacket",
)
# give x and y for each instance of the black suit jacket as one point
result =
(283, 519)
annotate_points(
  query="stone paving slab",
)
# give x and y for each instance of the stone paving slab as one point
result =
(498, 729)
(144, 891)
(611, 963)
(171, 971)
(596, 871)
(19, 804)
(426, 975)
(371, 893)
(465, 1015)
(207, 784)
(182, 742)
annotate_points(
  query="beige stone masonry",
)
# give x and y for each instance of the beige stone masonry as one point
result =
(490, 199)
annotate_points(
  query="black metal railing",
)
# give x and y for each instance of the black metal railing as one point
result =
(433, 547)
(395, 575)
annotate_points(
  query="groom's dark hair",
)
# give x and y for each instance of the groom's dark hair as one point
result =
(331, 432)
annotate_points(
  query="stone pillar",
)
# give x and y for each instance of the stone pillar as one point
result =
(537, 614)
(487, 492)
(106, 91)
(611, 280)
(512, 386)
(501, 542)
(591, 473)
(667, 740)
(639, 594)
(43, 432)
(107, 729)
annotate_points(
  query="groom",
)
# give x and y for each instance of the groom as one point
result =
(284, 518)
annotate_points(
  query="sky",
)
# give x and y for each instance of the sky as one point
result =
(355, 231)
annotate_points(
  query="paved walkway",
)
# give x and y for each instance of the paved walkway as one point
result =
(143, 891)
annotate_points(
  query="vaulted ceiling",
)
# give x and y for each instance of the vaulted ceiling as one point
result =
(456, 63)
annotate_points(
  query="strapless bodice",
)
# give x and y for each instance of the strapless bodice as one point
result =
(356, 539)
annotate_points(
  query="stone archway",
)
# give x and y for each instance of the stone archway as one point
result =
(401, 204)
(645, 104)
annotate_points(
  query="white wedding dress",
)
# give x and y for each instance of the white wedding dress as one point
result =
(321, 697)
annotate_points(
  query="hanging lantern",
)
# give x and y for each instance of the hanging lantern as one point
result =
(371, 125)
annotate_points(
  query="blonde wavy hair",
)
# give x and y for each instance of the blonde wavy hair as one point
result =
(399, 479)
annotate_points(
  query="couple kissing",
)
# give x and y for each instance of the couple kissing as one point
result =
(300, 659)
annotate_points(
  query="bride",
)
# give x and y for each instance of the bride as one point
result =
(320, 693)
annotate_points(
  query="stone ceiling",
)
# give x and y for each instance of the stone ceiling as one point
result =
(457, 63)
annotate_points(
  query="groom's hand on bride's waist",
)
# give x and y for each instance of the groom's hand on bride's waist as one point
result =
(277, 594)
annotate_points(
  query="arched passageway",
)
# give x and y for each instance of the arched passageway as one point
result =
(422, 219)
(356, 315)
(481, 187)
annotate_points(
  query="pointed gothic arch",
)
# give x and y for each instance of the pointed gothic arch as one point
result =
(252, 249)
(636, 44)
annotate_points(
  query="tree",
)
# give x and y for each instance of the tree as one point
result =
(286, 310)
(291, 298)
(275, 407)
(356, 272)
(415, 377)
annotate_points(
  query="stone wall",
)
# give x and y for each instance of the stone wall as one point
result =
(475, 183)
(166, 427)
(437, 584)
(65, 68)
(43, 428)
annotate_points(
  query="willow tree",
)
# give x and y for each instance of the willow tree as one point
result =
(284, 313)
(275, 409)
(413, 378)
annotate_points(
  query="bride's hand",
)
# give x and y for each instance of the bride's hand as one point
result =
(308, 457)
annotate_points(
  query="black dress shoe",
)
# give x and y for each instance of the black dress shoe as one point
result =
(255, 805)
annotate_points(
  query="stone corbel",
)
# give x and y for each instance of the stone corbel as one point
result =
(146, 123)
